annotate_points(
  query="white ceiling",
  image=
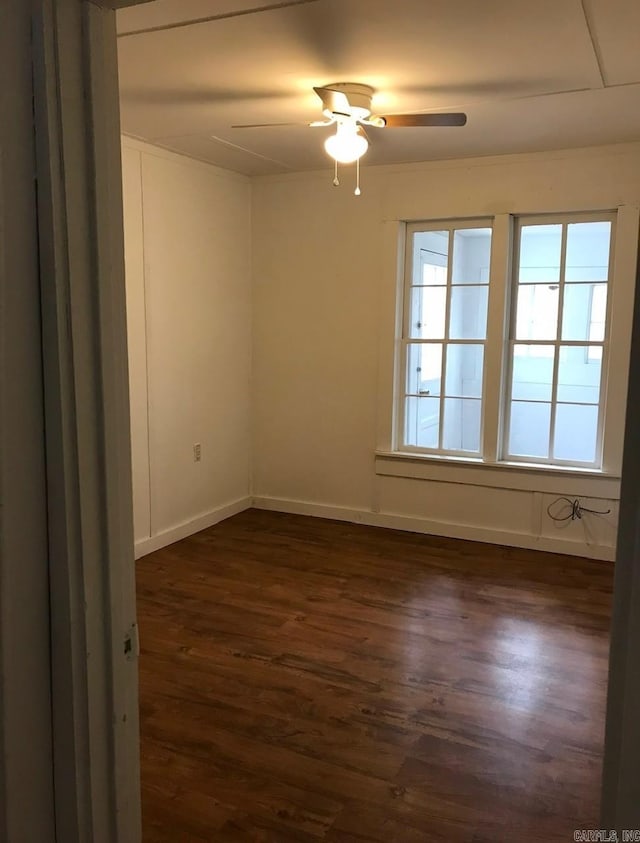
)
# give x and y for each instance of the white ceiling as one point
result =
(530, 75)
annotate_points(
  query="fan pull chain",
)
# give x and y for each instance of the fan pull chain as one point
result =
(357, 191)
(336, 180)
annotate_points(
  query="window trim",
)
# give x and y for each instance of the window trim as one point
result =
(531, 477)
(391, 279)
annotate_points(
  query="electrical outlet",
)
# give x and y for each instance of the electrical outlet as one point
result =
(197, 452)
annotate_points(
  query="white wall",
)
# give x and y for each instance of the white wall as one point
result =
(188, 261)
(325, 280)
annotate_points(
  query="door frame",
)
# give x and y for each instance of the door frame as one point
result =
(95, 733)
(26, 813)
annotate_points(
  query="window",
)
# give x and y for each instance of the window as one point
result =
(553, 345)
(444, 338)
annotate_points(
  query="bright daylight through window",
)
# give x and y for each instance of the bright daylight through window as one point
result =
(553, 344)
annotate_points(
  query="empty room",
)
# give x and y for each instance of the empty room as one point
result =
(380, 276)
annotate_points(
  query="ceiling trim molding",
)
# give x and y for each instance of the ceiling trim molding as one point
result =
(269, 7)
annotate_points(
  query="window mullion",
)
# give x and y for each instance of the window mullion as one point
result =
(494, 348)
(445, 344)
(556, 356)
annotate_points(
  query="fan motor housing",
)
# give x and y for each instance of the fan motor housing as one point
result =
(359, 97)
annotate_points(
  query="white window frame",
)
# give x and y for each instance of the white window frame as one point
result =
(510, 341)
(406, 340)
(614, 365)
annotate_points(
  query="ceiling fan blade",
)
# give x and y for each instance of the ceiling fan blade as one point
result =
(336, 102)
(417, 120)
(264, 125)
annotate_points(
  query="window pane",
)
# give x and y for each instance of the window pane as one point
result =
(428, 312)
(468, 315)
(422, 422)
(576, 433)
(424, 369)
(432, 274)
(532, 372)
(464, 371)
(540, 249)
(529, 429)
(578, 375)
(537, 312)
(584, 311)
(430, 257)
(461, 424)
(587, 251)
(598, 317)
(471, 256)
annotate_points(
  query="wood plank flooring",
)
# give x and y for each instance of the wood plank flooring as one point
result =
(306, 680)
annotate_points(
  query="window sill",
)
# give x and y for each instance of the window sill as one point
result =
(505, 475)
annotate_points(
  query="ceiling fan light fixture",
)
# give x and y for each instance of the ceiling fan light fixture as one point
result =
(347, 145)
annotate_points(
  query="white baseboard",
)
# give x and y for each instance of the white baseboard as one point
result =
(374, 519)
(436, 528)
(188, 528)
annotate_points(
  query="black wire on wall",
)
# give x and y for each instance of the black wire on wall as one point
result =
(575, 510)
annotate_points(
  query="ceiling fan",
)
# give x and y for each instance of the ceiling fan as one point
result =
(347, 105)
(353, 100)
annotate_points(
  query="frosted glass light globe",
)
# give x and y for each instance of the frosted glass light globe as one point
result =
(347, 145)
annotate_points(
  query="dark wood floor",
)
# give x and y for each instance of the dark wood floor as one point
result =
(306, 680)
